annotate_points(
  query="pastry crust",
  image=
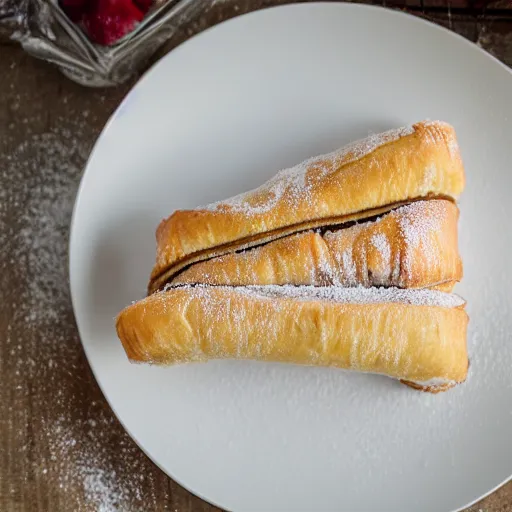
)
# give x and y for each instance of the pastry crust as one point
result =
(418, 336)
(359, 181)
(414, 246)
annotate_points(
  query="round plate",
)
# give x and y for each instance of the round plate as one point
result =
(221, 114)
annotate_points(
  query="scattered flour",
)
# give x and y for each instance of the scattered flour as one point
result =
(69, 442)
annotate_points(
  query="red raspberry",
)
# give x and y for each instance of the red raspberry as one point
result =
(143, 5)
(109, 20)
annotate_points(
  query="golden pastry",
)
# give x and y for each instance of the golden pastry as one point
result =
(417, 336)
(362, 180)
(414, 246)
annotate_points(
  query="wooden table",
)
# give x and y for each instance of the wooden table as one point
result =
(61, 448)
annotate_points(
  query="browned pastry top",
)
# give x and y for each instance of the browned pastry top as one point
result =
(359, 181)
(414, 246)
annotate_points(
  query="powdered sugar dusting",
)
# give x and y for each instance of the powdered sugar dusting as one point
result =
(418, 225)
(410, 247)
(105, 486)
(355, 295)
(417, 228)
(435, 382)
(296, 182)
(381, 243)
(453, 147)
(449, 133)
(42, 201)
(428, 179)
(325, 273)
(360, 295)
(348, 266)
(67, 445)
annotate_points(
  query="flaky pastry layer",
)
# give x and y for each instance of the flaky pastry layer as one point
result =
(414, 246)
(359, 181)
(413, 335)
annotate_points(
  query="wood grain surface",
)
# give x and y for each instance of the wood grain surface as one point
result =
(61, 447)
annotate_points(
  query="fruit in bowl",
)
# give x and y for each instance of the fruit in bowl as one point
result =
(106, 21)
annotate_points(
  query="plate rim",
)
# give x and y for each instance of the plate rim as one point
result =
(134, 89)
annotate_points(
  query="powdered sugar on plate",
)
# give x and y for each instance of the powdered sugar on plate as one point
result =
(435, 382)
(381, 243)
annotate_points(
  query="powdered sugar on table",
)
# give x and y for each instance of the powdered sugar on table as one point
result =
(66, 444)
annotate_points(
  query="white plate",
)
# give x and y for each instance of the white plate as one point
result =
(219, 115)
